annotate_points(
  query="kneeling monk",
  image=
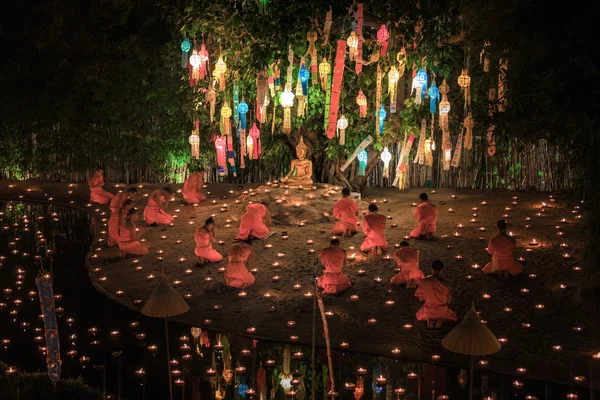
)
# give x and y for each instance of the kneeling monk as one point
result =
(191, 188)
(97, 194)
(120, 198)
(407, 259)
(373, 225)
(236, 273)
(426, 214)
(205, 237)
(435, 292)
(346, 211)
(334, 259)
(116, 221)
(502, 248)
(129, 243)
(154, 212)
(252, 225)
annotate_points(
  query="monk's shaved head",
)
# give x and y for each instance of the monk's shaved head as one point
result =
(404, 244)
(373, 207)
(334, 241)
(345, 192)
(502, 225)
(437, 265)
(423, 196)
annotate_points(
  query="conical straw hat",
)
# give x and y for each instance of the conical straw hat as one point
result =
(164, 301)
(471, 337)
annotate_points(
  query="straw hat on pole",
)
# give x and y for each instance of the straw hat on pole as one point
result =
(473, 338)
(165, 302)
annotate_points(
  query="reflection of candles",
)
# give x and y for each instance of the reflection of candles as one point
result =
(458, 257)
(507, 309)
(577, 268)
(486, 296)
(371, 321)
(310, 241)
(361, 371)
(539, 306)
(524, 290)
(475, 266)
(242, 294)
(450, 210)
(377, 280)
(483, 363)
(381, 381)
(291, 324)
(413, 204)
(473, 220)
(456, 234)
(408, 326)
(469, 277)
(297, 286)
(354, 297)
(344, 345)
(389, 302)
(308, 294)
(267, 295)
(557, 347)
(361, 272)
(276, 278)
(412, 375)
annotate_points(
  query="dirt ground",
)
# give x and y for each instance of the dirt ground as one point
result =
(556, 314)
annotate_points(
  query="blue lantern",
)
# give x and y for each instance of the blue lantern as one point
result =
(363, 156)
(434, 96)
(243, 109)
(422, 81)
(381, 115)
(185, 49)
(304, 75)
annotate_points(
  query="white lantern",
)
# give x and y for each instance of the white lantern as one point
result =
(287, 98)
(342, 124)
(444, 107)
(195, 59)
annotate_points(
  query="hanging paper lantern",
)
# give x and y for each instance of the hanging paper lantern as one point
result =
(469, 124)
(401, 58)
(242, 110)
(225, 122)
(422, 77)
(250, 147)
(211, 99)
(254, 133)
(185, 50)
(444, 105)
(195, 144)
(363, 156)
(386, 157)
(311, 37)
(203, 54)
(434, 96)
(300, 94)
(303, 74)
(221, 148)
(195, 70)
(381, 115)
(324, 70)
(287, 101)
(429, 147)
(420, 156)
(220, 69)
(342, 124)
(464, 81)
(352, 42)
(361, 101)
(393, 77)
(382, 36)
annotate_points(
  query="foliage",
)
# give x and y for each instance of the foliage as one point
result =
(30, 386)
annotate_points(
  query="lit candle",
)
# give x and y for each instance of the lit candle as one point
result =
(381, 381)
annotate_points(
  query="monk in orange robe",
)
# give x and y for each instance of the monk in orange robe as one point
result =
(236, 273)
(116, 221)
(120, 198)
(129, 243)
(205, 237)
(346, 211)
(191, 188)
(407, 259)
(502, 248)
(252, 225)
(333, 279)
(426, 214)
(97, 194)
(435, 292)
(373, 225)
(155, 213)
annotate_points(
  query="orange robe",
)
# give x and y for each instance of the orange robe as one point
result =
(426, 214)
(436, 295)
(502, 249)
(191, 189)
(204, 247)
(153, 213)
(373, 225)
(345, 211)
(252, 222)
(117, 201)
(333, 279)
(236, 273)
(128, 246)
(114, 225)
(97, 194)
(408, 260)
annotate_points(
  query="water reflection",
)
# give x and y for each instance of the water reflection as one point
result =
(121, 352)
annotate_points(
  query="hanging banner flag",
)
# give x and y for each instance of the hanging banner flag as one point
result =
(327, 26)
(231, 155)
(420, 157)
(44, 284)
(311, 36)
(469, 124)
(242, 148)
(378, 95)
(457, 151)
(359, 32)
(363, 145)
(490, 132)
(221, 148)
(403, 163)
(447, 149)
(336, 88)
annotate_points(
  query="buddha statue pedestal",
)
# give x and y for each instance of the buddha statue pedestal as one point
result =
(301, 169)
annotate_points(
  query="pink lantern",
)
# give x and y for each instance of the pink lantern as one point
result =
(382, 36)
(254, 133)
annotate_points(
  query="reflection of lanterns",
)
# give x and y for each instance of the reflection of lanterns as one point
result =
(342, 124)
(361, 101)
(393, 77)
(386, 157)
(287, 101)
(352, 42)
(324, 70)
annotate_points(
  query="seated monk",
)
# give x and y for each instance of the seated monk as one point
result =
(120, 198)
(154, 213)
(333, 279)
(116, 221)
(435, 292)
(129, 243)
(502, 248)
(373, 225)
(236, 274)
(205, 237)
(426, 214)
(301, 169)
(252, 225)
(191, 188)
(97, 194)
(407, 259)
(346, 211)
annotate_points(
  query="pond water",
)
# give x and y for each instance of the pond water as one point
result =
(121, 353)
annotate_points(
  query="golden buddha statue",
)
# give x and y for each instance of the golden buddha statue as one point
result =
(301, 169)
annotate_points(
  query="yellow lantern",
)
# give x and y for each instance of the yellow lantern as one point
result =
(342, 124)
(352, 42)
(464, 81)
(220, 69)
(393, 77)
(225, 115)
(361, 101)
(324, 70)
